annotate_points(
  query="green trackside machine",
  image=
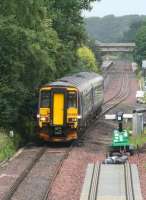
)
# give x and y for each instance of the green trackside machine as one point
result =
(120, 137)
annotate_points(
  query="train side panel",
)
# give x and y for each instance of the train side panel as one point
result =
(91, 102)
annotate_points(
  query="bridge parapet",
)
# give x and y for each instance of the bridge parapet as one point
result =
(116, 47)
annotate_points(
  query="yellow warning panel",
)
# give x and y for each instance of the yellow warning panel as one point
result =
(58, 109)
(44, 111)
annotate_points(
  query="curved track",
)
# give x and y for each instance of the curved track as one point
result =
(119, 97)
(13, 192)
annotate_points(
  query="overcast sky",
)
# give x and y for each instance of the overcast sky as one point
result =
(117, 7)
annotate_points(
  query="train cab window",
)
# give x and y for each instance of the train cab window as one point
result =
(45, 99)
(72, 100)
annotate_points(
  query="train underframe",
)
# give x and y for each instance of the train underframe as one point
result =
(58, 134)
(66, 133)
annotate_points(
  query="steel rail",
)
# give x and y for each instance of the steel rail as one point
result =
(45, 196)
(95, 182)
(105, 102)
(97, 179)
(114, 101)
(119, 97)
(9, 194)
(120, 92)
(129, 190)
(58, 168)
(123, 72)
(91, 182)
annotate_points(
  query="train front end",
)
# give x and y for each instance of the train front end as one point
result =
(58, 114)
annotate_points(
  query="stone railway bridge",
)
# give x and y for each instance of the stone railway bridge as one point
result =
(115, 47)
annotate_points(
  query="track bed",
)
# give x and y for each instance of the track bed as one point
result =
(66, 182)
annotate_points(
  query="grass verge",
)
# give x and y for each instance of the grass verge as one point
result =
(8, 145)
(139, 140)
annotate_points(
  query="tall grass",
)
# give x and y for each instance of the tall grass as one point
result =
(8, 145)
(139, 140)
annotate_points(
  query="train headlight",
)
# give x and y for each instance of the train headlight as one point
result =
(72, 120)
(44, 119)
(79, 116)
(38, 116)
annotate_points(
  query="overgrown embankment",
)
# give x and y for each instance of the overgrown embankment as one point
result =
(8, 144)
(39, 43)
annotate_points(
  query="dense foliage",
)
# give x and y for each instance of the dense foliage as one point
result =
(111, 28)
(87, 58)
(39, 42)
(140, 51)
(8, 145)
(130, 28)
(137, 34)
(130, 35)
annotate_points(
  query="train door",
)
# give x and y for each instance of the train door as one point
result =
(58, 109)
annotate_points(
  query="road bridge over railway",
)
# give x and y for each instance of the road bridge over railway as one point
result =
(115, 47)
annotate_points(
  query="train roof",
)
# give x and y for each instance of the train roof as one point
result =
(80, 80)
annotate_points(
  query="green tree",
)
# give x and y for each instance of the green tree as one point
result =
(113, 29)
(130, 35)
(97, 52)
(140, 51)
(39, 41)
(69, 25)
(28, 58)
(87, 59)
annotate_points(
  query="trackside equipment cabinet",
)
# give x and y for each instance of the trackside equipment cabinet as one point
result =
(120, 137)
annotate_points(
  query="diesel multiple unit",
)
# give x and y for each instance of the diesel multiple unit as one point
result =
(66, 105)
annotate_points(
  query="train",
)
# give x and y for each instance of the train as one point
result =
(66, 105)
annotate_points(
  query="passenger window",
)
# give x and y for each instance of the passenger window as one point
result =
(72, 99)
(45, 99)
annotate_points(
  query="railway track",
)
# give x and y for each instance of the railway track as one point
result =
(16, 187)
(111, 182)
(119, 97)
(13, 192)
(58, 168)
(8, 195)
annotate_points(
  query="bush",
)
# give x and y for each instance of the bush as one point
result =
(8, 145)
(87, 59)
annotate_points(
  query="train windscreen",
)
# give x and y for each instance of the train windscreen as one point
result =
(72, 99)
(45, 99)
